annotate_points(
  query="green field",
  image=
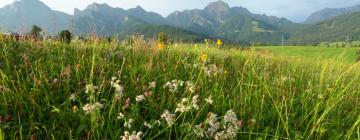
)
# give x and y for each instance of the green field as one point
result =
(345, 55)
(113, 90)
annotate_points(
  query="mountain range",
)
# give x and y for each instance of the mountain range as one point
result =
(329, 13)
(216, 20)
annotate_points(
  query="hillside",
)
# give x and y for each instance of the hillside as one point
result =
(329, 13)
(333, 30)
(104, 20)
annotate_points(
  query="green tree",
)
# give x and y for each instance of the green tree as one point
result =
(35, 32)
(65, 36)
(162, 38)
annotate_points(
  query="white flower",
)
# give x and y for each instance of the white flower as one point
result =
(230, 117)
(119, 90)
(190, 87)
(169, 118)
(113, 78)
(147, 125)
(89, 108)
(174, 85)
(121, 116)
(152, 84)
(128, 124)
(134, 136)
(183, 106)
(209, 100)
(72, 97)
(90, 89)
(195, 101)
(140, 98)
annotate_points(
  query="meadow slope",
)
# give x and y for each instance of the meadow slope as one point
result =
(111, 90)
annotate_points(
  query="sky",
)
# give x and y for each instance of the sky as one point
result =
(295, 10)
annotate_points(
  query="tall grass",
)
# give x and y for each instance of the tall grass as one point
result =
(46, 87)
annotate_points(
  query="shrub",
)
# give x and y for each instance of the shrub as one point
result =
(65, 36)
(35, 32)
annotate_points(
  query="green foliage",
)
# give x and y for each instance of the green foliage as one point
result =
(162, 38)
(35, 32)
(65, 36)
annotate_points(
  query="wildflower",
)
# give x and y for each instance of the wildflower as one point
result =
(119, 90)
(89, 108)
(152, 84)
(90, 89)
(209, 100)
(204, 57)
(182, 106)
(168, 117)
(190, 87)
(121, 116)
(160, 46)
(174, 85)
(219, 42)
(72, 97)
(75, 109)
(147, 125)
(128, 124)
(133, 136)
(127, 103)
(140, 98)
(230, 117)
(148, 93)
(77, 66)
(195, 101)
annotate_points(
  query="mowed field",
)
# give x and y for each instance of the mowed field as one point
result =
(342, 55)
(115, 90)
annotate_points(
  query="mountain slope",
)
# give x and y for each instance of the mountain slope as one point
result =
(335, 29)
(236, 24)
(104, 20)
(329, 13)
(21, 15)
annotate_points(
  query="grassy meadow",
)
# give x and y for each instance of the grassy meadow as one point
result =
(113, 90)
(343, 55)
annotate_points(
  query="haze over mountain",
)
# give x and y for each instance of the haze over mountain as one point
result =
(329, 13)
(21, 15)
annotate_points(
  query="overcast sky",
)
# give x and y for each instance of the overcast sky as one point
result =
(295, 10)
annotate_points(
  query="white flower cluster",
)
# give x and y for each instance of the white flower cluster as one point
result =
(128, 124)
(140, 98)
(186, 106)
(174, 85)
(213, 70)
(90, 89)
(190, 87)
(89, 108)
(168, 117)
(119, 90)
(134, 136)
(212, 128)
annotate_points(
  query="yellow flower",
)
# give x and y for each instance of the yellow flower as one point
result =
(160, 45)
(75, 108)
(77, 66)
(204, 57)
(219, 42)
